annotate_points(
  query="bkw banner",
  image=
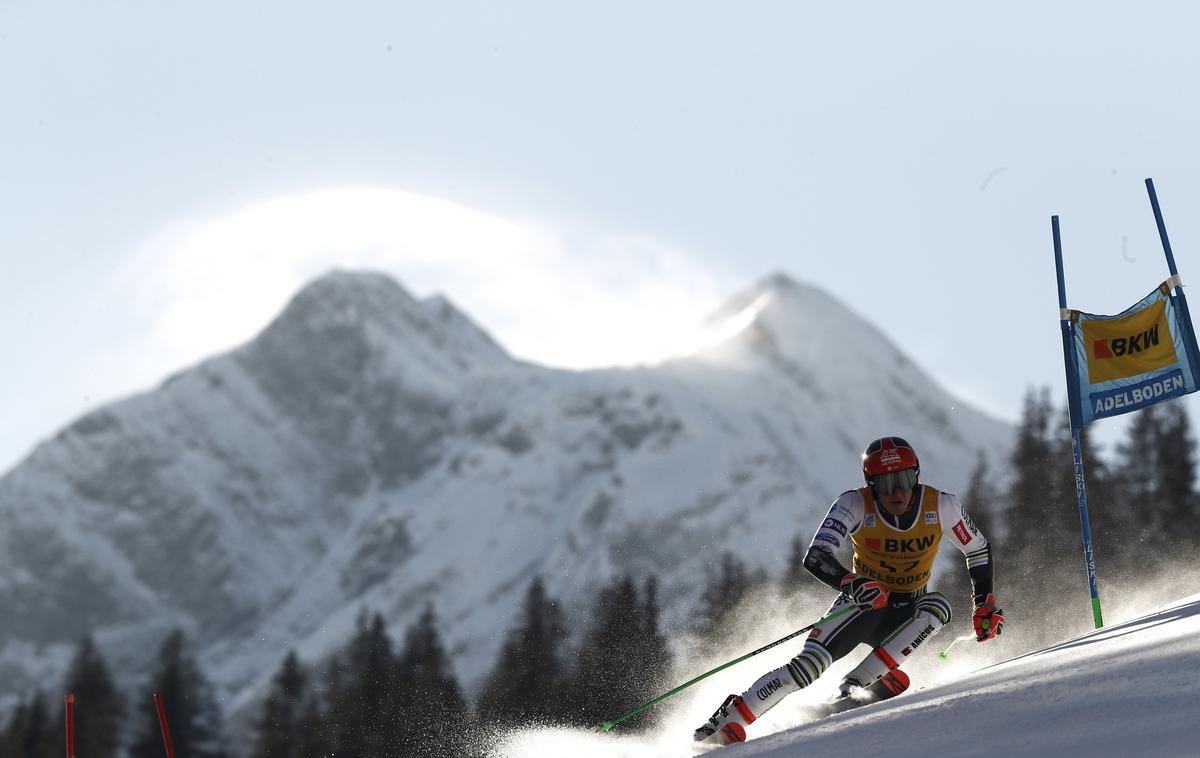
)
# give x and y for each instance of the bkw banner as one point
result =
(1130, 361)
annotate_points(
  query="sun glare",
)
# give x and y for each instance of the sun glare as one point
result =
(558, 297)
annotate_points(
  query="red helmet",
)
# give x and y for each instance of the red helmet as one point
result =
(887, 455)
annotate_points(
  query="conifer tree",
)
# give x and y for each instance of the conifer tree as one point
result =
(604, 679)
(983, 499)
(650, 607)
(429, 705)
(323, 718)
(46, 734)
(1126, 531)
(1155, 475)
(278, 729)
(100, 709)
(14, 730)
(32, 732)
(1176, 455)
(725, 588)
(619, 664)
(312, 734)
(526, 684)
(1039, 553)
(795, 576)
(1033, 483)
(362, 703)
(189, 702)
(1042, 507)
(650, 646)
(1138, 453)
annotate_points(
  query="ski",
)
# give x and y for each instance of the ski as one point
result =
(892, 684)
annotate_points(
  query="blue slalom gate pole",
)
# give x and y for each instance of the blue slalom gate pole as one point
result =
(1180, 298)
(1068, 338)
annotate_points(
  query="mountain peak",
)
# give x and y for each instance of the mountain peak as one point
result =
(344, 305)
(779, 282)
(349, 330)
(781, 305)
(350, 294)
(787, 291)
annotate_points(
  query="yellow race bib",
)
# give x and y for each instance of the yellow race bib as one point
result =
(903, 561)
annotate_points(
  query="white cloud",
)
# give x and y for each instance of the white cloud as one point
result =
(560, 297)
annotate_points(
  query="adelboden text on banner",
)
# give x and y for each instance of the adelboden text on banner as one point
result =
(1133, 360)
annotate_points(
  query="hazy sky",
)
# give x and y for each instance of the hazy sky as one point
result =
(587, 182)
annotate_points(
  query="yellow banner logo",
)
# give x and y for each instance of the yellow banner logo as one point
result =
(1136, 344)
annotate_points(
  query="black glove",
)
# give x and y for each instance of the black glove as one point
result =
(987, 618)
(864, 591)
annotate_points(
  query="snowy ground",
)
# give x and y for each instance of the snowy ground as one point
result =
(1130, 689)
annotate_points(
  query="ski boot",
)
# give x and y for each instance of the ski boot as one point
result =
(852, 693)
(728, 724)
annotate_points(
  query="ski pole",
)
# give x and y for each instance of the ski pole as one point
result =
(942, 655)
(608, 725)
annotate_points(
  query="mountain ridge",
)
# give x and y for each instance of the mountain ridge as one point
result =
(369, 449)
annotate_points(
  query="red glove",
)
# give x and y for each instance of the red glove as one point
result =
(988, 619)
(864, 591)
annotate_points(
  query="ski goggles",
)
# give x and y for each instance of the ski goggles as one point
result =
(894, 481)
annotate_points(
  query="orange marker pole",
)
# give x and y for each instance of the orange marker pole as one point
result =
(70, 725)
(162, 722)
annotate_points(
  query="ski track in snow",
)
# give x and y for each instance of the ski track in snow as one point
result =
(1129, 689)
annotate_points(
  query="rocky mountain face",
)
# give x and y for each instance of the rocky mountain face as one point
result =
(370, 449)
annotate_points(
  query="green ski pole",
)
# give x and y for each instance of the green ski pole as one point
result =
(608, 725)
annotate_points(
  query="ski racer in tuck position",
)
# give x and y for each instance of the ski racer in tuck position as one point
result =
(888, 532)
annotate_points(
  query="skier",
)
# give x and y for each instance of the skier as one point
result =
(888, 532)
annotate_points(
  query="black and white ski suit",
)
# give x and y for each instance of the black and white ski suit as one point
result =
(859, 537)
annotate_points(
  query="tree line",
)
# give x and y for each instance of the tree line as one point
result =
(373, 698)
(1142, 506)
(376, 697)
(35, 728)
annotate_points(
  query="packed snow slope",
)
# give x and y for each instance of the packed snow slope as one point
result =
(370, 449)
(1130, 689)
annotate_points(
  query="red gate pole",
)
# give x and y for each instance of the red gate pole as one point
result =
(162, 722)
(70, 725)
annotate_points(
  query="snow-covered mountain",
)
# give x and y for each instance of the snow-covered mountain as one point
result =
(1124, 690)
(370, 449)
